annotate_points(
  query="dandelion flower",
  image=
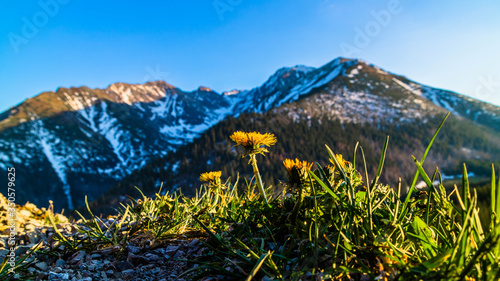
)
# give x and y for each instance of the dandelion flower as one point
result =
(343, 163)
(211, 177)
(297, 170)
(253, 142)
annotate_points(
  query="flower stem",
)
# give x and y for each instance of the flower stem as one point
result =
(258, 179)
(295, 212)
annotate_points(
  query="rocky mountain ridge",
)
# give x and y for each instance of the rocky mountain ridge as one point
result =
(78, 141)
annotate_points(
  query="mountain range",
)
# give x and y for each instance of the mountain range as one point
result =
(80, 141)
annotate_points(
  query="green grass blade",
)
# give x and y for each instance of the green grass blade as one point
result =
(354, 154)
(426, 178)
(338, 166)
(497, 201)
(415, 178)
(320, 182)
(257, 266)
(381, 163)
(493, 213)
(465, 187)
(367, 180)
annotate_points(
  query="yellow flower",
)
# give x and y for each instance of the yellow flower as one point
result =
(297, 170)
(211, 177)
(343, 163)
(253, 142)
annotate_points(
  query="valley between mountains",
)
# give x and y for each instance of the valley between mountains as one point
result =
(102, 142)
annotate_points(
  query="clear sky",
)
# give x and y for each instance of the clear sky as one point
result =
(228, 44)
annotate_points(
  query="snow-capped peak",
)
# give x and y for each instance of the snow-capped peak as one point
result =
(95, 137)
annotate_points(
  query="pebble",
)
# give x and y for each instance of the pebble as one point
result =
(42, 266)
(77, 257)
(193, 243)
(141, 260)
(151, 257)
(133, 249)
(179, 254)
(128, 274)
(123, 265)
(136, 259)
(60, 262)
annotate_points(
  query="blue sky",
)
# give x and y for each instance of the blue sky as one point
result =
(228, 44)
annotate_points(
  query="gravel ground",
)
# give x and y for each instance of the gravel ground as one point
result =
(142, 259)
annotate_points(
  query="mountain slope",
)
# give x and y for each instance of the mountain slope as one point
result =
(363, 104)
(80, 141)
(94, 137)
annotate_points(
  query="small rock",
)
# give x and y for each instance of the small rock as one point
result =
(128, 274)
(42, 276)
(123, 265)
(42, 266)
(79, 276)
(201, 251)
(179, 254)
(109, 266)
(57, 269)
(193, 242)
(95, 256)
(77, 257)
(30, 206)
(60, 262)
(21, 250)
(136, 259)
(30, 227)
(151, 257)
(159, 251)
(171, 249)
(24, 214)
(133, 249)
(63, 276)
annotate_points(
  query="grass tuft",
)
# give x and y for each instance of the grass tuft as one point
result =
(325, 223)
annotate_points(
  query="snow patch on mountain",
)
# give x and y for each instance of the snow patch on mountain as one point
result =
(89, 114)
(45, 138)
(408, 87)
(108, 127)
(111, 132)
